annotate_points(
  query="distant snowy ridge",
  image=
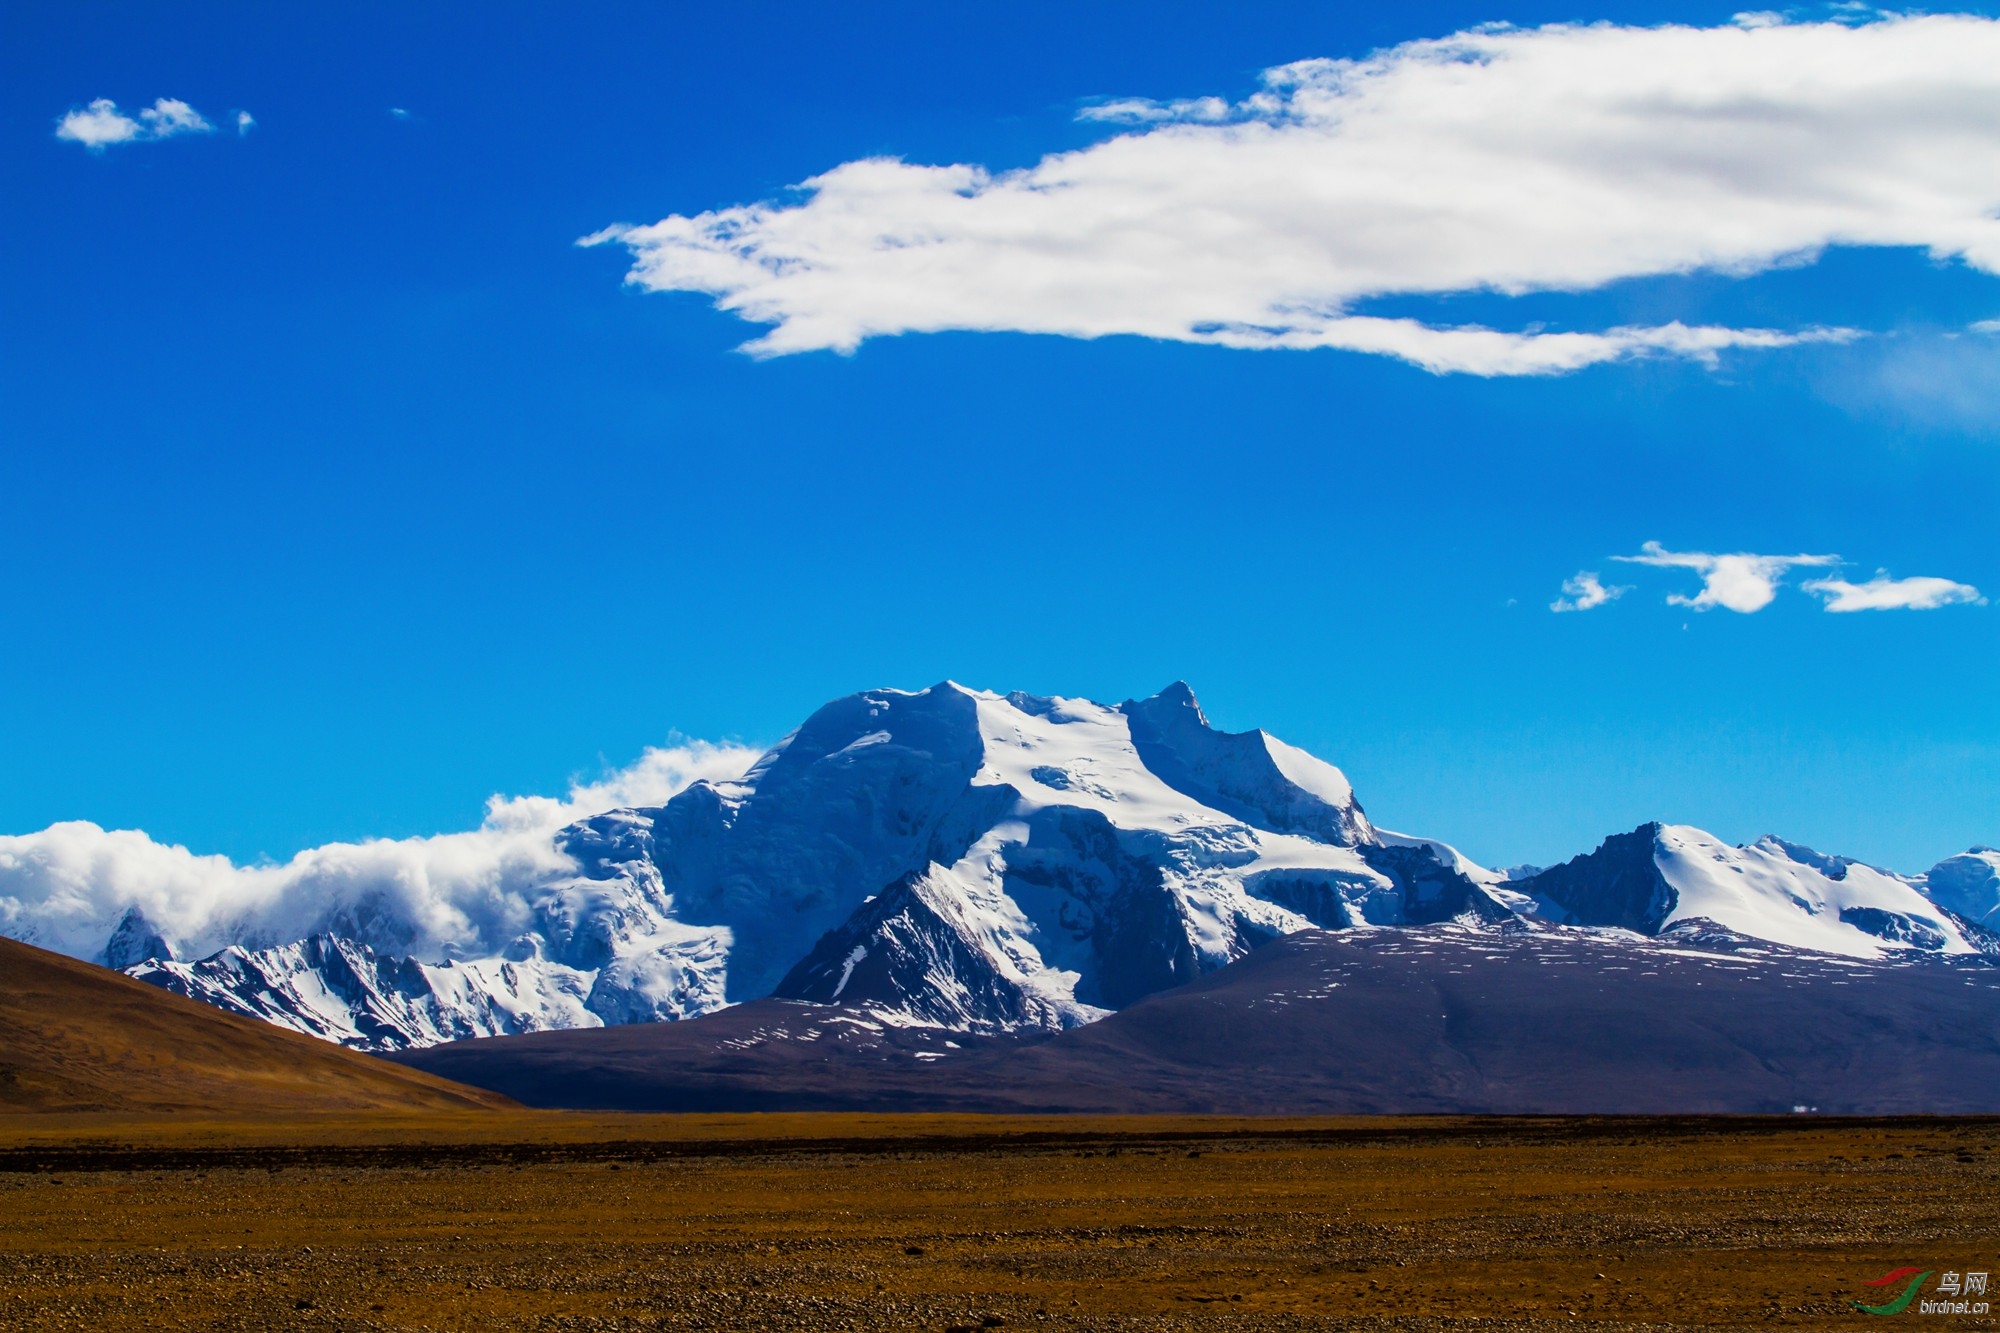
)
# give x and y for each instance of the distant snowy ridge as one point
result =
(969, 860)
(1968, 884)
(1659, 876)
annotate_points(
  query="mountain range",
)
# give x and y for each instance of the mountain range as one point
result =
(959, 861)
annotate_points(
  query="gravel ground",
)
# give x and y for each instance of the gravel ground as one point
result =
(1131, 1226)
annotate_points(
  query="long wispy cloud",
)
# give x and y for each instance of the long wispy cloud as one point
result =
(68, 885)
(1498, 160)
(1740, 581)
(1883, 593)
(102, 124)
(1747, 582)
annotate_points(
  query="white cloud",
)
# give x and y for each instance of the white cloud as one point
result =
(1883, 593)
(1740, 581)
(1987, 326)
(1140, 111)
(66, 887)
(1745, 582)
(399, 113)
(1500, 160)
(1584, 592)
(245, 122)
(102, 123)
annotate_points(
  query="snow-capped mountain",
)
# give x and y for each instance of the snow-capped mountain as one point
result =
(978, 861)
(1659, 876)
(1968, 884)
(951, 856)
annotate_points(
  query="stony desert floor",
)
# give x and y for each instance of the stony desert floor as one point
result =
(503, 1220)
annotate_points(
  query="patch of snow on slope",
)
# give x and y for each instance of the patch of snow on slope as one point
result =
(1308, 772)
(1208, 852)
(1092, 746)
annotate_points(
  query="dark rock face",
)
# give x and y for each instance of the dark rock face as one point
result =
(134, 941)
(1142, 941)
(1317, 896)
(1432, 890)
(1896, 927)
(912, 951)
(1617, 885)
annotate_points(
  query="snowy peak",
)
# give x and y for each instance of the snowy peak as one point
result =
(1662, 875)
(1249, 775)
(929, 951)
(1092, 855)
(1787, 894)
(134, 941)
(1969, 885)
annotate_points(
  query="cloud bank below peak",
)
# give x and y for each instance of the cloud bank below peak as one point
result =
(66, 886)
(1509, 161)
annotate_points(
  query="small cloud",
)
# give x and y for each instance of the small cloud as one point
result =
(245, 122)
(101, 124)
(1883, 593)
(1986, 326)
(1585, 592)
(98, 124)
(1740, 581)
(169, 116)
(1145, 111)
(399, 113)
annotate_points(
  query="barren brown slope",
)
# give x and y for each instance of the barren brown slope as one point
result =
(76, 1037)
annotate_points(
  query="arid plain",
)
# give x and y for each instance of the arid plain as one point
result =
(496, 1219)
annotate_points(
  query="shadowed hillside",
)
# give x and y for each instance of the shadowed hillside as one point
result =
(1434, 1020)
(77, 1037)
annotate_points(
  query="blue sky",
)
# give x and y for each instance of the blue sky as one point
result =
(339, 488)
